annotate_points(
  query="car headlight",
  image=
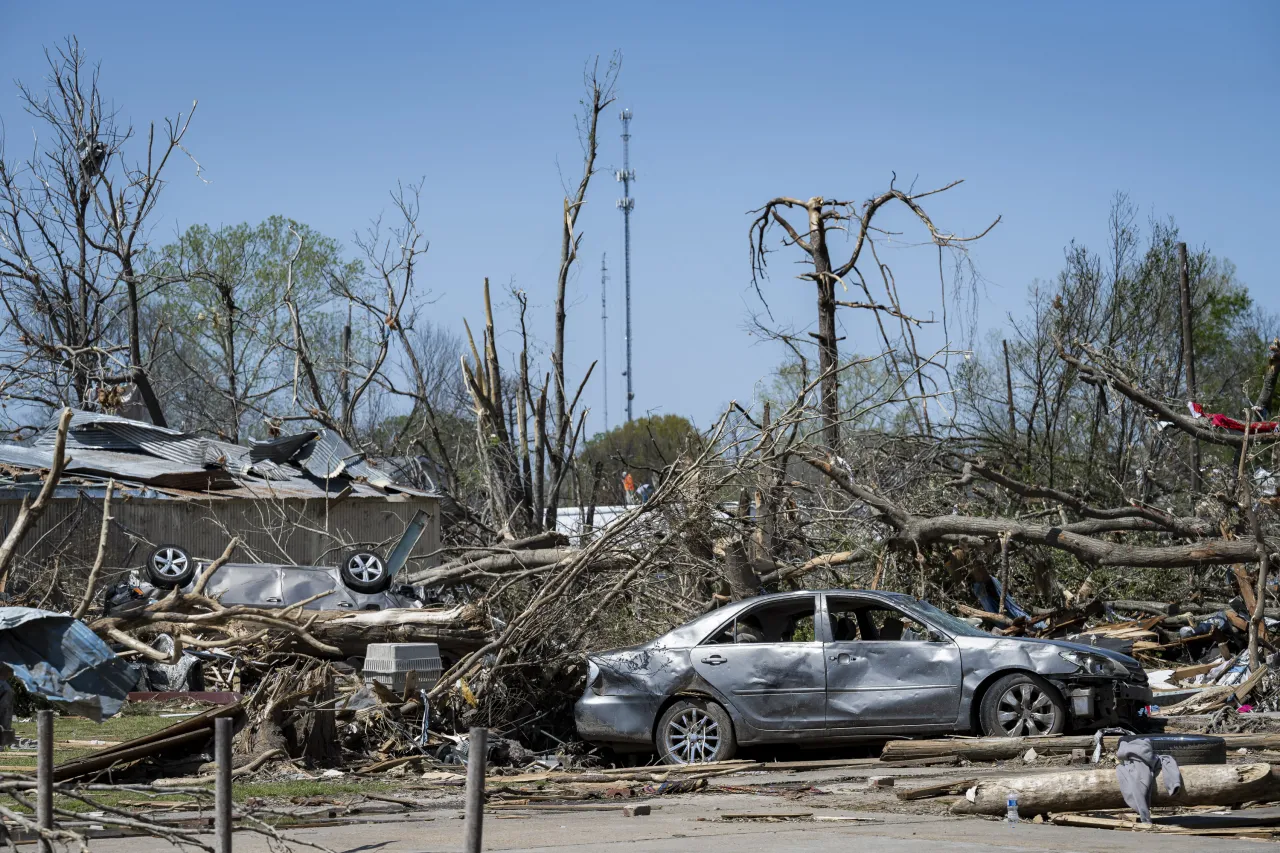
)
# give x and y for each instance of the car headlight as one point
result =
(1094, 664)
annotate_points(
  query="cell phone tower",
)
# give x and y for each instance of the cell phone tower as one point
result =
(626, 174)
(604, 334)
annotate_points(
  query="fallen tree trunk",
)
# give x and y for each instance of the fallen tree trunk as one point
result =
(497, 564)
(457, 628)
(1088, 790)
(347, 633)
(1002, 748)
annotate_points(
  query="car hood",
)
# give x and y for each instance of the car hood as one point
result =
(1128, 662)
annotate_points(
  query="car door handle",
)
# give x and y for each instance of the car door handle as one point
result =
(714, 660)
(843, 657)
(273, 600)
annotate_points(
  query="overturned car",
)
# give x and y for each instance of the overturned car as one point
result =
(843, 665)
(362, 580)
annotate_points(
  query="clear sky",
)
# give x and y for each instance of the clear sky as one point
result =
(316, 110)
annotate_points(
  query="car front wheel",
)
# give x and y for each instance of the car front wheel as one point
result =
(695, 731)
(1022, 704)
(169, 566)
(365, 571)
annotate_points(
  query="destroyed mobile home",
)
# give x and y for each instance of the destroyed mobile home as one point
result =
(845, 665)
(304, 499)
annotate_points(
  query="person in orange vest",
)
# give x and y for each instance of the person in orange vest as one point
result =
(629, 486)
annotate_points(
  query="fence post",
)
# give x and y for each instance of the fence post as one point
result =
(222, 785)
(44, 775)
(477, 755)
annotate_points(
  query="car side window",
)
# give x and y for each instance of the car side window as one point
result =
(787, 621)
(851, 620)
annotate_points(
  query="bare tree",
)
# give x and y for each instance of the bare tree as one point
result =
(824, 217)
(73, 233)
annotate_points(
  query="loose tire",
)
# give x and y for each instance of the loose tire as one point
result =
(1187, 749)
(365, 571)
(1021, 704)
(695, 731)
(169, 566)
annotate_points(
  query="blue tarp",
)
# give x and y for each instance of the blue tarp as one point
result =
(59, 658)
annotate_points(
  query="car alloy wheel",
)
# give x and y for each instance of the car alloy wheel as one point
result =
(170, 563)
(693, 737)
(1026, 709)
(366, 568)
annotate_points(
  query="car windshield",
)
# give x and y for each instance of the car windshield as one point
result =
(940, 618)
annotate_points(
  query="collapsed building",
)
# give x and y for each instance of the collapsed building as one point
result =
(297, 499)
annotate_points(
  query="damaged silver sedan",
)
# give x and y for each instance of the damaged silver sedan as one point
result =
(844, 666)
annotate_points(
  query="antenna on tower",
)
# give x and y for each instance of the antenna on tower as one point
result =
(626, 175)
(604, 334)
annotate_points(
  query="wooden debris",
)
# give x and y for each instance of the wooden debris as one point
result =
(942, 789)
(766, 815)
(1087, 790)
(1094, 822)
(1001, 749)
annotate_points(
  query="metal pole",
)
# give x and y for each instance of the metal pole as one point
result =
(477, 753)
(604, 335)
(44, 775)
(222, 785)
(626, 204)
(1189, 358)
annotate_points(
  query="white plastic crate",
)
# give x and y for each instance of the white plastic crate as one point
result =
(390, 664)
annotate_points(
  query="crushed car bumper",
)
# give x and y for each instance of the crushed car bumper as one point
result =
(616, 720)
(1104, 703)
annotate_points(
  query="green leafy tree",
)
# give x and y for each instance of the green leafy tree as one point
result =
(643, 447)
(228, 362)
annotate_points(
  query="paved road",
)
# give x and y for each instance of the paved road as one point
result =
(692, 822)
(677, 827)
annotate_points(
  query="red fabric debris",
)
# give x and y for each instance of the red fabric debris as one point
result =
(1224, 422)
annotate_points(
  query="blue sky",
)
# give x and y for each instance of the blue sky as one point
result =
(316, 111)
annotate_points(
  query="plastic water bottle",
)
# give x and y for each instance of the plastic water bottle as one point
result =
(1011, 811)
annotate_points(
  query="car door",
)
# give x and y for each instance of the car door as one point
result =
(774, 678)
(874, 682)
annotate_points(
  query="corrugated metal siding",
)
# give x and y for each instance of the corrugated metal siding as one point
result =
(298, 531)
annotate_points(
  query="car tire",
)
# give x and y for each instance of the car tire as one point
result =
(1187, 749)
(365, 571)
(169, 566)
(695, 731)
(1021, 704)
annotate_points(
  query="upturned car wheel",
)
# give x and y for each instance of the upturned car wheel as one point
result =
(695, 731)
(365, 571)
(1022, 704)
(169, 566)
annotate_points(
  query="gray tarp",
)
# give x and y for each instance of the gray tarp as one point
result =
(59, 658)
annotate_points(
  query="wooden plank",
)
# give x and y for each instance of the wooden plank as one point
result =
(1246, 586)
(999, 748)
(1093, 822)
(1246, 687)
(103, 760)
(1188, 672)
(942, 789)
(765, 815)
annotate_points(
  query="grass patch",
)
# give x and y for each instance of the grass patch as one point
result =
(142, 720)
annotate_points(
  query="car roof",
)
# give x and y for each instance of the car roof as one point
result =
(696, 629)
